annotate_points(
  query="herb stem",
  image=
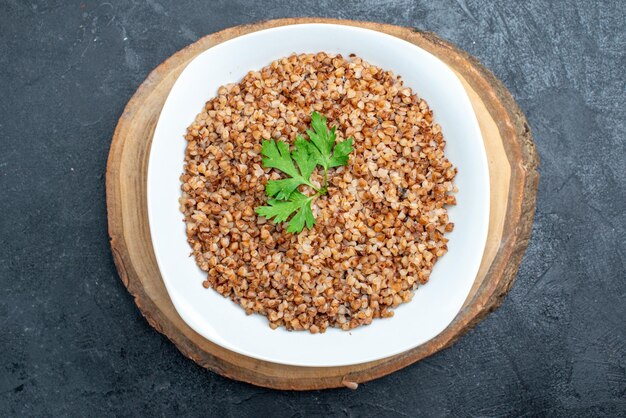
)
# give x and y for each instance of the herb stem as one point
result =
(312, 186)
(316, 195)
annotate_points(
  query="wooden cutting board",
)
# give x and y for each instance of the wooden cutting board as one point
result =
(513, 170)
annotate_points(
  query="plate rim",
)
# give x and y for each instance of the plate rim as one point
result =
(485, 215)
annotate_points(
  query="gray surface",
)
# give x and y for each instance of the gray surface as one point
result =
(73, 342)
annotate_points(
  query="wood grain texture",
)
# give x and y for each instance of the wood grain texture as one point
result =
(513, 169)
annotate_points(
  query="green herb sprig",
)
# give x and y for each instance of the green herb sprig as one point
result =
(285, 198)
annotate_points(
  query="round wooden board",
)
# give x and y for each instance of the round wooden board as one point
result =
(513, 170)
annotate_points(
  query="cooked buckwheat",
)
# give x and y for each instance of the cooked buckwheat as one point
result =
(379, 230)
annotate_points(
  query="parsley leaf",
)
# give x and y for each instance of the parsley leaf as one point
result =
(287, 201)
(341, 153)
(302, 156)
(276, 155)
(280, 210)
(324, 141)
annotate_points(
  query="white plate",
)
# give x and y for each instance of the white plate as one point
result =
(220, 320)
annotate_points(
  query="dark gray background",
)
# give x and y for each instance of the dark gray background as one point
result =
(72, 341)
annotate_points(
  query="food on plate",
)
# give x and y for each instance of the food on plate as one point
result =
(354, 168)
